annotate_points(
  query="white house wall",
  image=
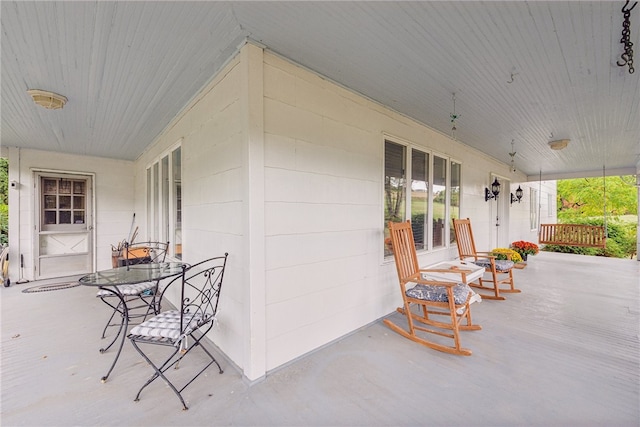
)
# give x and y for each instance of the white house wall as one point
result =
(323, 205)
(210, 133)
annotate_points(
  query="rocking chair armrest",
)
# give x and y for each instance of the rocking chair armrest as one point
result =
(417, 278)
(485, 254)
(476, 255)
(481, 255)
(446, 270)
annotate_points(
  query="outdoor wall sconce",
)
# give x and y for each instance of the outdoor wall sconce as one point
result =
(493, 193)
(518, 195)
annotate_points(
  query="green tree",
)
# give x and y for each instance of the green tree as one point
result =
(582, 201)
(585, 197)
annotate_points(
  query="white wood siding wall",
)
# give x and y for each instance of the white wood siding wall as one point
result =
(323, 160)
(212, 194)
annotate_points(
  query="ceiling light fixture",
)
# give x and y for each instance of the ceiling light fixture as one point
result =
(46, 99)
(559, 144)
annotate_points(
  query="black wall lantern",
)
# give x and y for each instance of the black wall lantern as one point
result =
(518, 195)
(495, 190)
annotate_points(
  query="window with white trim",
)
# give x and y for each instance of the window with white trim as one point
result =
(454, 196)
(164, 201)
(430, 199)
(533, 208)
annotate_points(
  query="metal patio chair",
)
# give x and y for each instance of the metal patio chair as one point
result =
(182, 329)
(141, 298)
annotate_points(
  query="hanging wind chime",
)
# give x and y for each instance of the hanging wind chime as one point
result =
(512, 154)
(453, 116)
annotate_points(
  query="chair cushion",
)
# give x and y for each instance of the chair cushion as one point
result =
(167, 325)
(439, 293)
(136, 289)
(502, 265)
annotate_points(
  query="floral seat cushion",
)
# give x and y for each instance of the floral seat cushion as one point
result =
(439, 293)
(502, 265)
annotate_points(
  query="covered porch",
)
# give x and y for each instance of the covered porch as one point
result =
(563, 352)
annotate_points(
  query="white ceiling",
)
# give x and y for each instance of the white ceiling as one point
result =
(526, 72)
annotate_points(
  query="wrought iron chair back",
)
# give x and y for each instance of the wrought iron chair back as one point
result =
(185, 327)
(145, 252)
(200, 293)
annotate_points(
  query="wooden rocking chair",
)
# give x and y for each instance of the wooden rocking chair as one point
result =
(431, 297)
(501, 270)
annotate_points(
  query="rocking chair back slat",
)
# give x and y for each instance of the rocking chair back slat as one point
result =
(464, 237)
(406, 259)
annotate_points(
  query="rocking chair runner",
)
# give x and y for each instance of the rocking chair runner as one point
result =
(501, 270)
(183, 328)
(431, 297)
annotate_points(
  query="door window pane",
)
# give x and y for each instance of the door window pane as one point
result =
(50, 217)
(61, 205)
(50, 202)
(65, 217)
(65, 202)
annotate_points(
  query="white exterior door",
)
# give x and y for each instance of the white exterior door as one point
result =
(64, 218)
(500, 214)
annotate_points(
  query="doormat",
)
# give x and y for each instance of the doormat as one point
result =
(54, 287)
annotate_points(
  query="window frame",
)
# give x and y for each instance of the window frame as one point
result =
(534, 209)
(163, 188)
(431, 154)
(58, 208)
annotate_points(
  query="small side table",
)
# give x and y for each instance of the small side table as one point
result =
(449, 271)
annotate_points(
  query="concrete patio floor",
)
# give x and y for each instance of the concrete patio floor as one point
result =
(563, 352)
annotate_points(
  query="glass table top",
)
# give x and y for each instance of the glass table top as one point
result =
(133, 274)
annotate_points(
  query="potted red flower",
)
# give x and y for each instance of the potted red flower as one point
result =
(525, 248)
